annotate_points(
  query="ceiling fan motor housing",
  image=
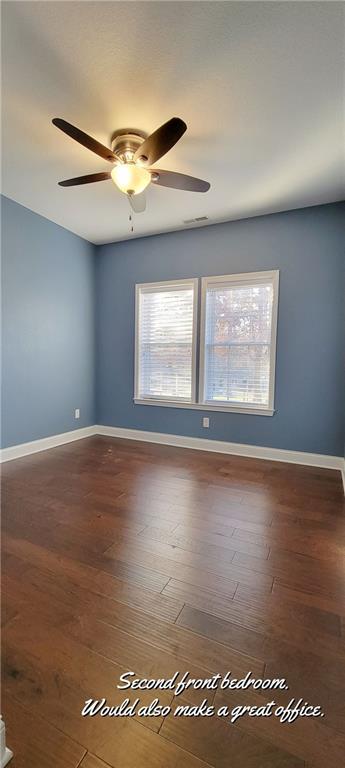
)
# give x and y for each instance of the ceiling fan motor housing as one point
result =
(125, 143)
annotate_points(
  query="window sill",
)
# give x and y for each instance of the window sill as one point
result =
(255, 411)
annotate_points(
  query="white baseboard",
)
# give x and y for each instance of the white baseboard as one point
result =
(343, 475)
(5, 753)
(6, 757)
(179, 441)
(35, 446)
(218, 446)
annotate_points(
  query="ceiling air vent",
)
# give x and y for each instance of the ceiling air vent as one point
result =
(198, 218)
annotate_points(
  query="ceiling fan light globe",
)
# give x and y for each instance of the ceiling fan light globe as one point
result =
(130, 178)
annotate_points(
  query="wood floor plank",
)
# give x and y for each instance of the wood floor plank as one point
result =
(215, 574)
(211, 545)
(51, 558)
(91, 761)
(60, 600)
(202, 598)
(103, 598)
(306, 738)
(118, 742)
(122, 555)
(25, 598)
(263, 613)
(37, 743)
(233, 635)
(296, 571)
(224, 745)
(173, 639)
(76, 575)
(251, 631)
(336, 605)
(320, 544)
(278, 611)
(89, 674)
(132, 653)
(212, 525)
(196, 557)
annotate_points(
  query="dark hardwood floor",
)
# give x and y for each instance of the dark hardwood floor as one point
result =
(128, 556)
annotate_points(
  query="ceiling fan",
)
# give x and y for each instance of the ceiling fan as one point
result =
(131, 153)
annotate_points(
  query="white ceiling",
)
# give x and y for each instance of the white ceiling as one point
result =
(260, 85)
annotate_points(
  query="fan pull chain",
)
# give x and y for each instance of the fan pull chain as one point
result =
(131, 222)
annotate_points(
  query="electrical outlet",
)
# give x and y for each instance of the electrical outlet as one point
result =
(77, 413)
(206, 422)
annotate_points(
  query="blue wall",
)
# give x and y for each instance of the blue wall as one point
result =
(51, 279)
(47, 327)
(307, 246)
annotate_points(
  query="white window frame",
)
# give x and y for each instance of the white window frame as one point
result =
(166, 285)
(243, 279)
(197, 402)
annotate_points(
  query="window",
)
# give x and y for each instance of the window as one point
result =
(235, 336)
(238, 339)
(166, 340)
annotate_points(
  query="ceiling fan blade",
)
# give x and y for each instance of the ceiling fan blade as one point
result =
(137, 202)
(159, 142)
(84, 139)
(178, 181)
(89, 179)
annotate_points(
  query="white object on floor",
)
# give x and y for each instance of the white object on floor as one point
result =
(5, 753)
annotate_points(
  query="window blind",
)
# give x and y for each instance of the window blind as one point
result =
(165, 341)
(237, 352)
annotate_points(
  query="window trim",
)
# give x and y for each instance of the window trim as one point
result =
(198, 343)
(141, 288)
(245, 409)
(243, 278)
